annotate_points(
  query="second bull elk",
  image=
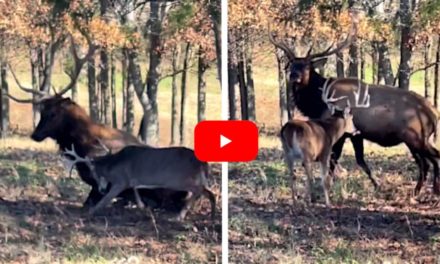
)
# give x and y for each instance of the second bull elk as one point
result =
(394, 116)
(67, 123)
(137, 167)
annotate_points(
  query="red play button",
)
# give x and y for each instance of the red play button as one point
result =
(226, 141)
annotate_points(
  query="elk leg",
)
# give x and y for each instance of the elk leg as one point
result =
(358, 145)
(114, 191)
(93, 198)
(309, 173)
(208, 194)
(434, 156)
(336, 154)
(421, 164)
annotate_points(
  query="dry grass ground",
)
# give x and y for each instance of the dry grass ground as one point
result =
(362, 226)
(40, 215)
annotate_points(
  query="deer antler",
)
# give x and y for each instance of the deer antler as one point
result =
(76, 159)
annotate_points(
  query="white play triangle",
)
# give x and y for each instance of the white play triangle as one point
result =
(224, 141)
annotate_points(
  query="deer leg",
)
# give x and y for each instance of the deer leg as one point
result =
(93, 198)
(114, 191)
(208, 194)
(336, 154)
(433, 155)
(189, 201)
(309, 173)
(324, 181)
(358, 145)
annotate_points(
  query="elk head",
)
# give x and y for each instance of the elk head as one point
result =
(302, 68)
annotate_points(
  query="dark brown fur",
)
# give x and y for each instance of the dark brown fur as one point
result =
(67, 123)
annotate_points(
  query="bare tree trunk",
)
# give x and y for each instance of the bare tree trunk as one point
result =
(175, 99)
(124, 79)
(340, 65)
(215, 14)
(105, 88)
(184, 95)
(427, 70)
(282, 84)
(242, 84)
(250, 79)
(129, 105)
(437, 73)
(362, 57)
(201, 86)
(150, 131)
(374, 63)
(93, 95)
(232, 76)
(35, 85)
(405, 45)
(353, 67)
(113, 92)
(385, 71)
(4, 100)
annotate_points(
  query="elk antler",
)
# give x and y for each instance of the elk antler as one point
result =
(329, 51)
(76, 159)
(282, 45)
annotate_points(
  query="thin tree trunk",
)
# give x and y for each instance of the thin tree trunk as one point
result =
(340, 64)
(130, 105)
(353, 67)
(250, 79)
(4, 100)
(35, 85)
(284, 112)
(93, 95)
(105, 87)
(124, 90)
(437, 73)
(232, 76)
(385, 71)
(374, 63)
(215, 14)
(362, 57)
(427, 70)
(242, 85)
(201, 86)
(175, 98)
(184, 95)
(113, 92)
(405, 45)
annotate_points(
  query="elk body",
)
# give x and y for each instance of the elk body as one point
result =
(393, 116)
(137, 167)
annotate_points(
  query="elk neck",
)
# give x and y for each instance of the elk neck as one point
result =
(308, 97)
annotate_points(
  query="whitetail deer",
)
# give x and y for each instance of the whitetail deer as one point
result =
(137, 167)
(312, 141)
(394, 116)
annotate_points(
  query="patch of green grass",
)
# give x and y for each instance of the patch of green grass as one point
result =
(26, 174)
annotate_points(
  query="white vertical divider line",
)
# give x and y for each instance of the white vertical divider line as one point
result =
(225, 116)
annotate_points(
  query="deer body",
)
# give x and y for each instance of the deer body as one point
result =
(137, 167)
(311, 141)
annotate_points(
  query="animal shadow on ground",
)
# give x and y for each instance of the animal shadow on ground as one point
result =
(362, 225)
(42, 220)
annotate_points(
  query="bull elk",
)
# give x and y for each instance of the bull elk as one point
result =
(394, 116)
(136, 167)
(67, 123)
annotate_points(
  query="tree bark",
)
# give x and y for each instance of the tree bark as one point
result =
(282, 87)
(385, 71)
(93, 95)
(340, 65)
(242, 83)
(129, 96)
(437, 73)
(184, 95)
(250, 79)
(405, 45)
(175, 98)
(124, 89)
(374, 63)
(353, 67)
(35, 84)
(113, 92)
(105, 88)
(215, 14)
(232, 76)
(427, 57)
(201, 86)
(150, 131)
(4, 100)
(362, 57)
